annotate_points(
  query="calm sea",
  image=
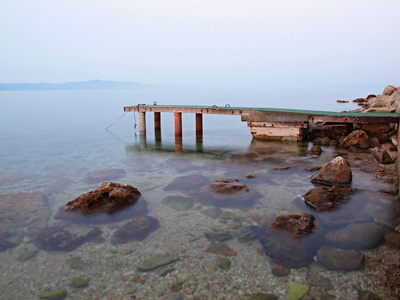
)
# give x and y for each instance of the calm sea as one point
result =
(52, 141)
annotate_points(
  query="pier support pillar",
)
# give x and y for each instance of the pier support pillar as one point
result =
(142, 122)
(157, 126)
(178, 124)
(199, 132)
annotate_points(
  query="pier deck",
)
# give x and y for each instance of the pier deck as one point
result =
(265, 123)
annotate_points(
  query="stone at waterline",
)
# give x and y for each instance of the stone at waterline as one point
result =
(21, 214)
(339, 259)
(335, 172)
(227, 192)
(357, 236)
(60, 239)
(105, 175)
(108, 203)
(357, 138)
(135, 230)
(188, 182)
(315, 150)
(325, 198)
(179, 203)
(156, 261)
(382, 156)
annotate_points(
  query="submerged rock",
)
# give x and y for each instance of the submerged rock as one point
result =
(315, 150)
(296, 291)
(135, 230)
(110, 202)
(393, 277)
(179, 203)
(106, 175)
(60, 239)
(188, 182)
(227, 192)
(248, 233)
(357, 236)
(220, 249)
(57, 294)
(280, 271)
(335, 172)
(21, 215)
(339, 259)
(157, 260)
(324, 198)
(79, 282)
(223, 263)
(218, 235)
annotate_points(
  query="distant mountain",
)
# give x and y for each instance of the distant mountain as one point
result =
(81, 85)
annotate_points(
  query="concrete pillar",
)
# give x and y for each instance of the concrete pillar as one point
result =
(178, 124)
(157, 126)
(199, 124)
(142, 122)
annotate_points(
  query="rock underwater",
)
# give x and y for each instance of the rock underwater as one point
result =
(108, 203)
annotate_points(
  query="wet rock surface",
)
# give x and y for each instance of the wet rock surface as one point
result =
(297, 224)
(105, 175)
(324, 198)
(60, 239)
(220, 249)
(339, 259)
(101, 204)
(335, 172)
(357, 138)
(135, 230)
(382, 156)
(157, 261)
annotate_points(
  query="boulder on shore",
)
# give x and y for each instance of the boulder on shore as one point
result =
(101, 204)
(335, 172)
(358, 138)
(382, 156)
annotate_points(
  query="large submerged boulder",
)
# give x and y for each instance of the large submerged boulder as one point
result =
(135, 230)
(110, 202)
(335, 172)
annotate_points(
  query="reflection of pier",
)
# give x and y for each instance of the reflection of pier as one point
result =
(264, 123)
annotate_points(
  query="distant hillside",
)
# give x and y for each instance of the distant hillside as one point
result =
(81, 85)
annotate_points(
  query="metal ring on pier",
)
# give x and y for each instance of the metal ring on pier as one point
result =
(154, 102)
(227, 105)
(214, 106)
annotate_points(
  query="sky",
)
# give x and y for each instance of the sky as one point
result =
(252, 43)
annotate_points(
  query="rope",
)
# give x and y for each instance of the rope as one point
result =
(117, 121)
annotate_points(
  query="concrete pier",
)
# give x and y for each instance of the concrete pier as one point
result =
(264, 123)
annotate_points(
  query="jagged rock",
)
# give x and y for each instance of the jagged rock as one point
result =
(105, 175)
(359, 100)
(357, 236)
(135, 230)
(324, 198)
(297, 224)
(335, 172)
(60, 239)
(110, 202)
(374, 142)
(389, 90)
(227, 192)
(339, 259)
(188, 182)
(358, 138)
(315, 150)
(21, 215)
(382, 156)
(393, 277)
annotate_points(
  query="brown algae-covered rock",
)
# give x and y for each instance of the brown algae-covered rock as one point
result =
(335, 172)
(325, 198)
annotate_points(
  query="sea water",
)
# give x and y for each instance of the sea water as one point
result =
(52, 141)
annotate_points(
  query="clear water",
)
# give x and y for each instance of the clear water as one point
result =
(52, 141)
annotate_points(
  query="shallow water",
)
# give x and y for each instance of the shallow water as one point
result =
(53, 141)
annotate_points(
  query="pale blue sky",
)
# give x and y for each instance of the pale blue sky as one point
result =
(250, 43)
